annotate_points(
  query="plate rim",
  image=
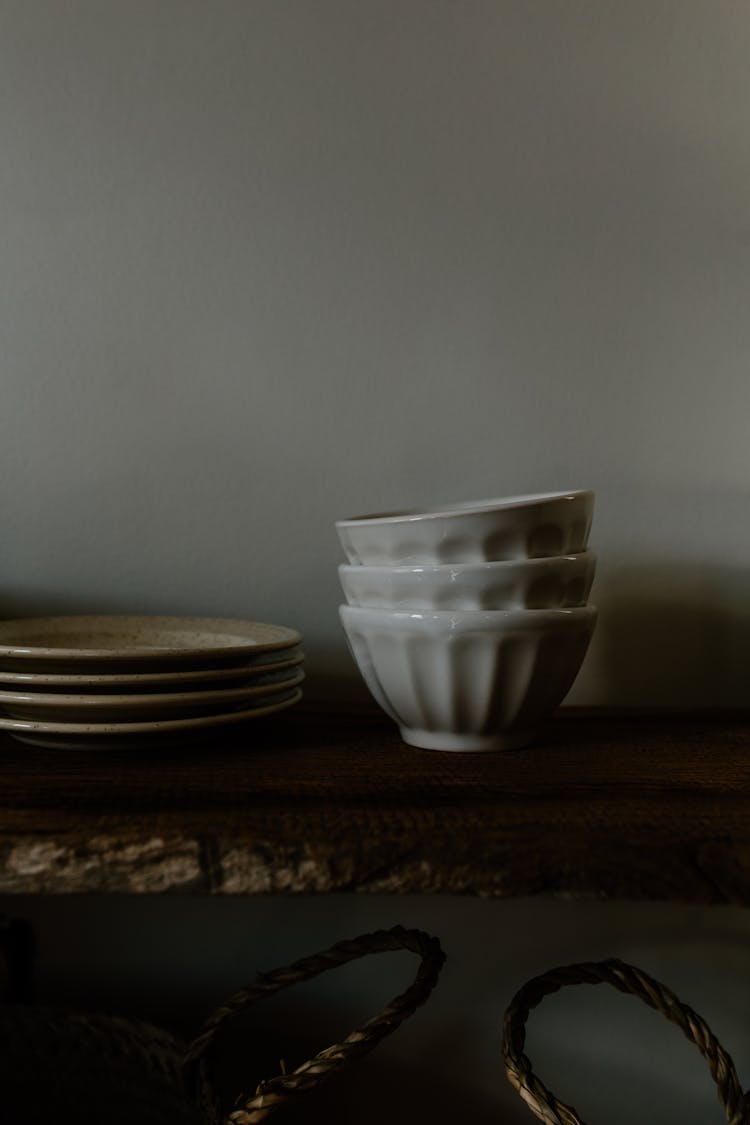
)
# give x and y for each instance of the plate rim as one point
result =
(151, 701)
(169, 676)
(112, 730)
(286, 638)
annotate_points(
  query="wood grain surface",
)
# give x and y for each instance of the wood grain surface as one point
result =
(316, 800)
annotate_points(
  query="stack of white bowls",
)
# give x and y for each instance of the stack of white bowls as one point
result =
(115, 681)
(470, 623)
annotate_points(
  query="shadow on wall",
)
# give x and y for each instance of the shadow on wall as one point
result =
(671, 635)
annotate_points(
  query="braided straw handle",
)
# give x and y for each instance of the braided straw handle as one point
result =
(273, 1093)
(626, 978)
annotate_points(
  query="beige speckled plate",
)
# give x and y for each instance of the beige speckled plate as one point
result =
(96, 643)
(135, 708)
(262, 671)
(171, 732)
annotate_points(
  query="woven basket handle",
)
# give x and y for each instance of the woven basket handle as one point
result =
(626, 978)
(273, 1093)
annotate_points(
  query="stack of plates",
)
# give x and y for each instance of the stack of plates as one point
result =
(119, 681)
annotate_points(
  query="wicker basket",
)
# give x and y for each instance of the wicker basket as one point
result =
(61, 1066)
(625, 978)
(57, 1066)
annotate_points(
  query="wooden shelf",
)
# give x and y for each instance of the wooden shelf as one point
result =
(317, 800)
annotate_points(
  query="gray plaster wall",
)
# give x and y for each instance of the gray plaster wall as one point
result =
(268, 264)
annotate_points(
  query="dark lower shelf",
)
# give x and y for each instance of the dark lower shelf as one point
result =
(318, 800)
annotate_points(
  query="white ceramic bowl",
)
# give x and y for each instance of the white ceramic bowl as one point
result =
(560, 581)
(517, 527)
(473, 680)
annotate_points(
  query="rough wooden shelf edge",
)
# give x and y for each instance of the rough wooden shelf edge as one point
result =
(670, 823)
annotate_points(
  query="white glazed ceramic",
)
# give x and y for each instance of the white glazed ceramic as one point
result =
(517, 527)
(560, 581)
(100, 736)
(469, 680)
(261, 671)
(135, 708)
(87, 643)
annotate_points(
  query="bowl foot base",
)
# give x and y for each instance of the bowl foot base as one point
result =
(466, 743)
